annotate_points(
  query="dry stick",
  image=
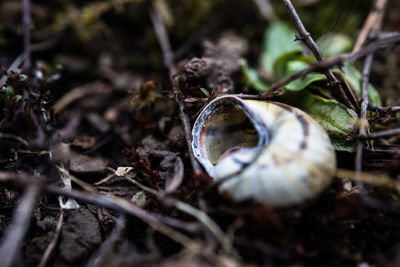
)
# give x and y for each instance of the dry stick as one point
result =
(265, 8)
(373, 20)
(18, 60)
(385, 133)
(382, 43)
(100, 257)
(110, 202)
(306, 37)
(13, 238)
(27, 25)
(50, 248)
(168, 55)
(210, 224)
(363, 129)
(392, 109)
(15, 137)
(124, 206)
(363, 113)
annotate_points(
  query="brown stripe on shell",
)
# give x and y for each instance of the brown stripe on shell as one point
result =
(286, 107)
(303, 122)
(306, 130)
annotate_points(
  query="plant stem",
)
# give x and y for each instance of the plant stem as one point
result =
(305, 36)
(168, 55)
(27, 26)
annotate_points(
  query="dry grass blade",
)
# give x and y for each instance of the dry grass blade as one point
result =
(53, 243)
(125, 206)
(99, 258)
(211, 225)
(373, 21)
(13, 238)
(168, 56)
(15, 137)
(372, 179)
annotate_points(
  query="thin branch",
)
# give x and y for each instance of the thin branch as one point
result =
(309, 41)
(386, 133)
(364, 100)
(100, 257)
(265, 8)
(110, 202)
(370, 178)
(27, 26)
(53, 243)
(168, 55)
(206, 220)
(393, 109)
(18, 60)
(373, 22)
(10, 248)
(378, 44)
(15, 137)
(363, 128)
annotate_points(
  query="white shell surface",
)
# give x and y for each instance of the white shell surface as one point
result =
(286, 160)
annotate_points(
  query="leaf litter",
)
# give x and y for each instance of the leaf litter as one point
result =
(108, 116)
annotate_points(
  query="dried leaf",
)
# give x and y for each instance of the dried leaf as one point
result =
(123, 171)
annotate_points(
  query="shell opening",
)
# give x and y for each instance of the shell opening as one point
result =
(227, 128)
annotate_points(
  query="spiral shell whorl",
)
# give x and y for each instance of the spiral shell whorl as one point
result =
(291, 162)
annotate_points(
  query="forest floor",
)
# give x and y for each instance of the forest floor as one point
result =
(97, 103)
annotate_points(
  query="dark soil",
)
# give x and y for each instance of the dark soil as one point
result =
(97, 96)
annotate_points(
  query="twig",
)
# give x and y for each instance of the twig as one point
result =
(99, 259)
(385, 133)
(79, 93)
(15, 137)
(392, 109)
(50, 248)
(15, 64)
(27, 26)
(18, 60)
(168, 55)
(13, 238)
(111, 202)
(364, 99)
(306, 37)
(370, 178)
(125, 206)
(373, 22)
(363, 128)
(105, 180)
(381, 43)
(265, 8)
(211, 225)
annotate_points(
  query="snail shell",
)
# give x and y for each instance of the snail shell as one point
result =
(270, 152)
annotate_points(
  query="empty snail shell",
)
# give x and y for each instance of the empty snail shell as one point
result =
(270, 152)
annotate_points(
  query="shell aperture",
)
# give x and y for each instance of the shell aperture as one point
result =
(262, 150)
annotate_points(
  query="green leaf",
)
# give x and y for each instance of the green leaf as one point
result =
(205, 92)
(278, 41)
(337, 120)
(252, 78)
(9, 93)
(301, 83)
(354, 77)
(22, 77)
(334, 43)
(281, 63)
